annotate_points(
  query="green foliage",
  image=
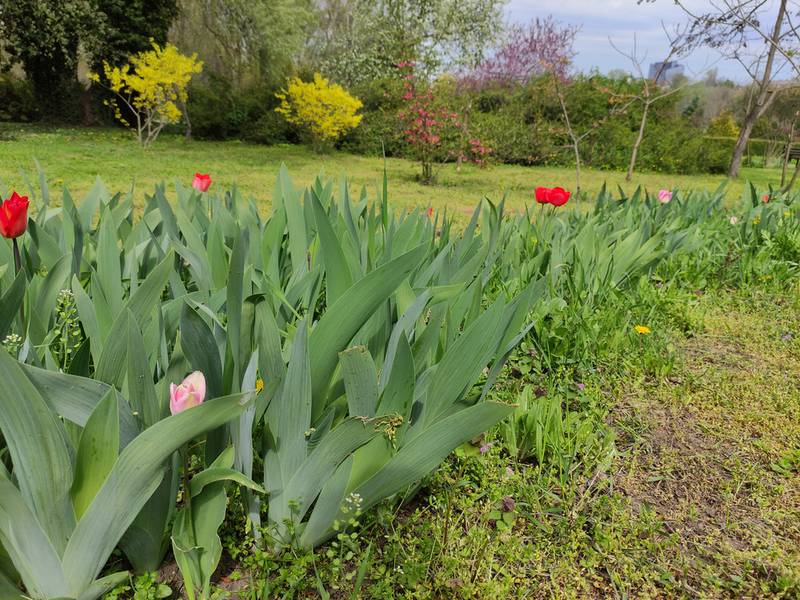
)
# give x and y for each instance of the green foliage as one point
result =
(44, 35)
(221, 111)
(336, 430)
(247, 42)
(361, 41)
(17, 100)
(379, 338)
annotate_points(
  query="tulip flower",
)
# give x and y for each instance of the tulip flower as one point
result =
(558, 196)
(765, 198)
(430, 212)
(190, 392)
(14, 222)
(201, 182)
(542, 195)
(14, 216)
(664, 196)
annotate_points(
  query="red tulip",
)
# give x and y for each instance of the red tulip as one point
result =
(765, 198)
(14, 216)
(558, 196)
(542, 195)
(201, 182)
(430, 212)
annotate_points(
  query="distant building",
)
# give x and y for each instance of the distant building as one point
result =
(670, 71)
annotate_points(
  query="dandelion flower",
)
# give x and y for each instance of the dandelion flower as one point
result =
(642, 329)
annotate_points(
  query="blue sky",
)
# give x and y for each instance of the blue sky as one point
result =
(619, 19)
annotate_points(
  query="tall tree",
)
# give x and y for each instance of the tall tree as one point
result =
(50, 38)
(240, 39)
(761, 36)
(45, 36)
(363, 39)
(130, 25)
(651, 90)
(541, 46)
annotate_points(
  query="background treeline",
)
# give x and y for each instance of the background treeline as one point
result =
(250, 47)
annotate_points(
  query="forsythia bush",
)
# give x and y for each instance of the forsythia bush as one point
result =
(326, 110)
(724, 125)
(153, 87)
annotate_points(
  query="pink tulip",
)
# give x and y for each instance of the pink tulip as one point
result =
(664, 196)
(201, 182)
(191, 392)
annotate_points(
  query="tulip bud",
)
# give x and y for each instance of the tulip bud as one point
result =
(191, 392)
(201, 182)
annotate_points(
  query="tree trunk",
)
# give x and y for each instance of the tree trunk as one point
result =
(464, 135)
(573, 137)
(765, 96)
(741, 144)
(87, 115)
(788, 151)
(185, 112)
(637, 143)
(793, 180)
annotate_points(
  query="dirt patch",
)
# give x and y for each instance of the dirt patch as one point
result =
(701, 468)
(680, 472)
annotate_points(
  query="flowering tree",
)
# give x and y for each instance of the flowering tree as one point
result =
(152, 87)
(542, 46)
(434, 132)
(325, 110)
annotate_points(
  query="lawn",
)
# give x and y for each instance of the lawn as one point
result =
(76, 157)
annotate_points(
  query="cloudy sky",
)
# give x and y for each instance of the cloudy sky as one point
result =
(620, 19)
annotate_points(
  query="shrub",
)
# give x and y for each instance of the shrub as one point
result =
(152, 86)
(221, 111)
(17, 100)
(377, 134)
(324, 110)
(723, 125)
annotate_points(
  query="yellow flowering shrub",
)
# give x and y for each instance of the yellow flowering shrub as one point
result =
(326, 110)
(153, 86)
(724, 125)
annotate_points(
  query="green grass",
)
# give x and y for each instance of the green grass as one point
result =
(76, 157)
(699, 498)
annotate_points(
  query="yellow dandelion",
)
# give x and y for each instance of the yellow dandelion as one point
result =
(642, 329)
(259, 385)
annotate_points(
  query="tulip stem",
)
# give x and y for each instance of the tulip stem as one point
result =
(188, 491)
(17, 259)
(17, 267)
